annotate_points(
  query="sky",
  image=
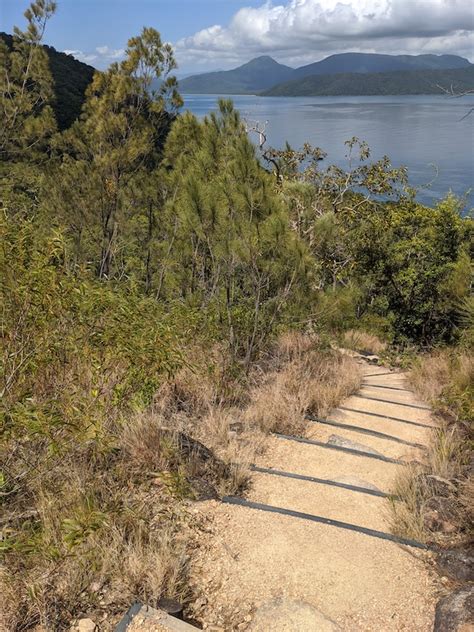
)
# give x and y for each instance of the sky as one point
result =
(221, 34)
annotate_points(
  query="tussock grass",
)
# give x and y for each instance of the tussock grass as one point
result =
(431, 510)
(406, 516)
(446, 459)
(97, 534)
(445, 378)
(312, 380)
(362, 341)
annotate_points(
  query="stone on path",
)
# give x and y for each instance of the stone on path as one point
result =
(342, 442)
(142, 618)
(286, 615)
(357, 482)
(84, 625)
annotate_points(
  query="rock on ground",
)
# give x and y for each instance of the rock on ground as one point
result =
(457, 564)
(84, 625)
(455, 613)
(342, 442)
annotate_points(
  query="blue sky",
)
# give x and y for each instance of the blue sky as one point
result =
(210, 34)
(85, 25)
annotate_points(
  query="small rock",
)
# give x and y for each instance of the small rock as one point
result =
(434, 523)
(446, 507)
(84, 625)
(171, 606)
(457, 564)
(342, 442)
(455, 613)
(356, 482)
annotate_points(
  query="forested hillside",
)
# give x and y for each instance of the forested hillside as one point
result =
(154, 275)
(387, 83)
(363, 63)
(70, 77)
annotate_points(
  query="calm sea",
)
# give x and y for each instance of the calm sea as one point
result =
(424, 133)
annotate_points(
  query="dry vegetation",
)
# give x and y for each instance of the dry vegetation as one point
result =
(363, 342)
(89, 530)
(305, 380)
(438, 498)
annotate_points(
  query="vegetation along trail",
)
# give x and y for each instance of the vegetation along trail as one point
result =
(178, 423)
(294, 573)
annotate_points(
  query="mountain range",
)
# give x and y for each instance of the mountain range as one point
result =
(345, 73)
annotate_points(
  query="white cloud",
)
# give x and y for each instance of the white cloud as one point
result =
(101, 57)
(108, 53)
(300, 31)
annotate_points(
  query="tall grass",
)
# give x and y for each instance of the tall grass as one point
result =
(445, 379)
(313, 379)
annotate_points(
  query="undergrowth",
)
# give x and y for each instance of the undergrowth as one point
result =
(437, 498)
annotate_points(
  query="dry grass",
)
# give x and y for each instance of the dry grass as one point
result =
(430, 376)
(406, 516)
(312, 380)
(100, 524)
(446, 380)
(446, 460)
(99, 538)
(363, 342)
(440, 509)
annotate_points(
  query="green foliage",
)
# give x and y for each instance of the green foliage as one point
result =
(70, 78)
(107, 154)
(233, 248)
(412, 263)
(74, 351)
(26, 87)
(87, 520)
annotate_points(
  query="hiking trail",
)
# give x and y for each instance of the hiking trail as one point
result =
(309, 547)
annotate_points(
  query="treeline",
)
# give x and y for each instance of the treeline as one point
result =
(138, 234)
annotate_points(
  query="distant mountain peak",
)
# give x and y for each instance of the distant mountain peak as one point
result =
(261, 62)
(263, 58)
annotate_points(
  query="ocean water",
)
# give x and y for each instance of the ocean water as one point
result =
(424, 133)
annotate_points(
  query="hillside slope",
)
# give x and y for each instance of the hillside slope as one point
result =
(388, 83)
(375, 63)
(71, 78)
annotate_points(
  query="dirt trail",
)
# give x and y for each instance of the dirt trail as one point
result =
(267, 571)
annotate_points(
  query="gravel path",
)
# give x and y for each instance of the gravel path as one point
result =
(265, 571)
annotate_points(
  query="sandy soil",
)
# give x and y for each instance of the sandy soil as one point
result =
(261, 571)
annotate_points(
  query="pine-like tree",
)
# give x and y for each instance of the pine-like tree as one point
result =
(26, 88)
(118, 140)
